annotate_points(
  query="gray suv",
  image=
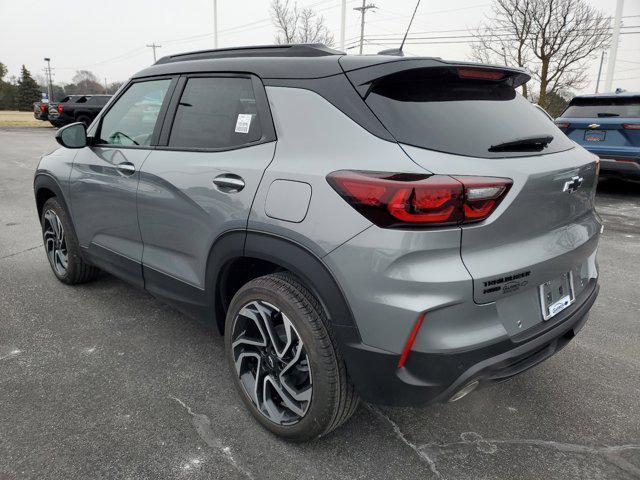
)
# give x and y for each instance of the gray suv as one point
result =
(397, 230)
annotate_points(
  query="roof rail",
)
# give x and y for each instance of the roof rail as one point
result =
(292, 50)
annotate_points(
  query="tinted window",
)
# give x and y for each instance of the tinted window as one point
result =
(132, 119)
(435, 109)
(98, 100)
(603, 107)
(216, 113)
(82, 100)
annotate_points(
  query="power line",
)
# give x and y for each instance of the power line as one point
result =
(154, 46)
(363, 9)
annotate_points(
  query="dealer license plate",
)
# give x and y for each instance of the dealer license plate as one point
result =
(556, 295)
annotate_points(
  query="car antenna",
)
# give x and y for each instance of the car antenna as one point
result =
(398, 51)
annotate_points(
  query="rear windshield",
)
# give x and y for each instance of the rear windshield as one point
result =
(627, 107)
(435, 109)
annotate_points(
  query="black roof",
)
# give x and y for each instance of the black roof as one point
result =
(298, 61)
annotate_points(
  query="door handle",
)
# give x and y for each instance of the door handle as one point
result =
(229, 183)
(126, 168)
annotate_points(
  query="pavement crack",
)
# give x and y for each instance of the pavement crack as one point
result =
(202, 424)
(490, 446)
(11, 354)
(402, 437)
(18, 253)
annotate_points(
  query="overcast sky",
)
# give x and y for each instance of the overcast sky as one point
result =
(109, 37)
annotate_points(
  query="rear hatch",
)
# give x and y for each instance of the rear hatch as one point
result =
(606, 125)
(465, 121)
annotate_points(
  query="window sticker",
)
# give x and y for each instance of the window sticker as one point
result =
(243, 123)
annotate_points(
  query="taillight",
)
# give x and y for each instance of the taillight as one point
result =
(480, 74)
(631, 126)
(42, 107)
(562, 124)
(481, 196)
(59, 108)
(403, 200)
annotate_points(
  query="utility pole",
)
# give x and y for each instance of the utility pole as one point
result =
(363, 9)
(106, 90)
(154, 46)
(600, 70)
(343, 19)
(611, 64)
(215, 23)
(49, 83)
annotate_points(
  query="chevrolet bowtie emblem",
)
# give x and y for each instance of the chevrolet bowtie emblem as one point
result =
(573, 184)
(593, 125)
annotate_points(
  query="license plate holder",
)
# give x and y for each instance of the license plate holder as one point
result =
(595, 135)
(556, 295)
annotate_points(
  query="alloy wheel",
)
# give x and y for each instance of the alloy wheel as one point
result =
(55, 242)
(271, 362)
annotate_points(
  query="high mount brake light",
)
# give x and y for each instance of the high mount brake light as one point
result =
(480, 74)
(401, 200)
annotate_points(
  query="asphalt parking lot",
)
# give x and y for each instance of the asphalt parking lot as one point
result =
(104, 381)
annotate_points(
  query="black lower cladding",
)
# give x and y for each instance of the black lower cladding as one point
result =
(624, 169)
(430, 378)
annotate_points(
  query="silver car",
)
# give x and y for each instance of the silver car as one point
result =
(397, 230)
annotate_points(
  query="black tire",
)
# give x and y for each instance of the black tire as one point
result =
(84, 119)
(77, 270)
(333, 399)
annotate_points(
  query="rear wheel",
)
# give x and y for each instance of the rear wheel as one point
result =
(283, 360)
(61, 246)
(84, 119)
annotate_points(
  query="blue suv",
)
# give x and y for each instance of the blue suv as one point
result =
(607, 125)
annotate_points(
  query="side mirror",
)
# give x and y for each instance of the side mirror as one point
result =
(72, 136)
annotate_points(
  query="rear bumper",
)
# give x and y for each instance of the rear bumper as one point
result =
(620, 167)
(430, 378)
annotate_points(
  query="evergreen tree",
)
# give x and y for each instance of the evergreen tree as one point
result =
(28, 91)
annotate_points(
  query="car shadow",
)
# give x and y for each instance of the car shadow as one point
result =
(618, 187)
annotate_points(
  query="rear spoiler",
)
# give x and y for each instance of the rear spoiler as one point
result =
(363, 76)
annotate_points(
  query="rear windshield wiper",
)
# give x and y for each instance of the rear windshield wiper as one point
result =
(526, 144)
(601, 115)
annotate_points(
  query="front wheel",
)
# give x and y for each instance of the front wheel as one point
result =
(61, 246)
(283, 360)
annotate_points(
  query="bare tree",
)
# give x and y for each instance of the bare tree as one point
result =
(298, 26)
(553, 39)
(506, 38)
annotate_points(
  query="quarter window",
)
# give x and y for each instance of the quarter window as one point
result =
(133, 117)
(216, 113)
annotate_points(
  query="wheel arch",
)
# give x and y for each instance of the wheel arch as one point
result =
(46, 187)
(265, 253)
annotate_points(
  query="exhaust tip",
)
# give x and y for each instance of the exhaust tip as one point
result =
(464, 391)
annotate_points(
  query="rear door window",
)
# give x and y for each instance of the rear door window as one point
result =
(216, 113)
(434, 108)
(626, 107)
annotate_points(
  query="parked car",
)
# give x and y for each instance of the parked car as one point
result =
(77, 108)
(607, 125)
(401, 230)
(41, 110)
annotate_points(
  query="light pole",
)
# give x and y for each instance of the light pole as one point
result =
(215, 23)
(49, 85)
(343, 18)
(611, 64)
